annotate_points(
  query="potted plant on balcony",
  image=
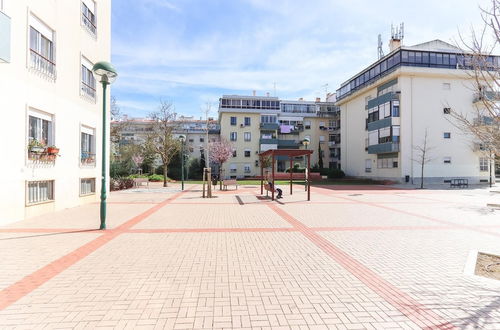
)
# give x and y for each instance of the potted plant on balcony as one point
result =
(53, 150)
(36, 146)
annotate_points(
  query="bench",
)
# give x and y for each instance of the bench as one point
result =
(226, 183)
(139, 181)
(459, 183)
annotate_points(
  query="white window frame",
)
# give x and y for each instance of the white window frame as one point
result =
(249, 135)
(90, 160)
(247, 168)
(233, 168)
(483, 164)
(233, 134)
(91, 184)
(44, 63)
(41, 198)
(41, 116)
(368, 165)
(87, 88)
(87, 24)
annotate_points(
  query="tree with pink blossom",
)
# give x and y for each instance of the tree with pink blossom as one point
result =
(220, 152)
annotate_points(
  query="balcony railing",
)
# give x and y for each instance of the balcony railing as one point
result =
(42, 64)
(88, 91)
(89, 24)
(383, 148)
(87, 159)
(269, 126)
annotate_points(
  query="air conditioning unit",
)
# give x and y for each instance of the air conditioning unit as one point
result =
(242, 125)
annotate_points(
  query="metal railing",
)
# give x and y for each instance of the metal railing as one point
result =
(42, 64)
(89, 24)
(87, 90)
(40, 191)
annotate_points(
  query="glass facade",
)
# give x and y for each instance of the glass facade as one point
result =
(249, 104)
(416, 58)
(298, 108)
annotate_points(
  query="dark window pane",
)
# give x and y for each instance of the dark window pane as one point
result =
(425, 58)
(446, 59)
(404, 56)
(439, 58)
(411, 57)
(418, 57)
(453, 59)
(433, 58)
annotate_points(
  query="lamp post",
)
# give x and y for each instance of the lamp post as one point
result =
(306, 142)
(182, 138)
(107, 75)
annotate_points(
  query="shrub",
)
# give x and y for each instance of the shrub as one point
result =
(156, 177)
(121, 183)
(335, 173)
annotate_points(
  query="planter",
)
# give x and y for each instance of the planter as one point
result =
(37, 150)
(52, 150)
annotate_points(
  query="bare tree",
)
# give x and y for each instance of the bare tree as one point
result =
(118, 121)
(422, 157)
(161, 140)
(220, 152)
(483, 71)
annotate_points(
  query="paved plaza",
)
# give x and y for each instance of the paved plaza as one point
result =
(355, 257)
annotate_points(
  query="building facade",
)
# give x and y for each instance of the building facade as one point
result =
(253, 124)
(135, 131)
(389, 109)
(53, 100)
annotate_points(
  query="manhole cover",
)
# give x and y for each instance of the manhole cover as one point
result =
(488, 265)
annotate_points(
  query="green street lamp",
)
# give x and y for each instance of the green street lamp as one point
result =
(305, 142)
(182, 138)
(107, 75)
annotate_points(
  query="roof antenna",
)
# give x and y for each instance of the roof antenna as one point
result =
(380, 50)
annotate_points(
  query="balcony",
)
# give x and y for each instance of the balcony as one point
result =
(288, 144)
(38, 153)
(269, 126)
(42, 64)
(4, 38)
(87, 159)
(383, 148)
(268, 141)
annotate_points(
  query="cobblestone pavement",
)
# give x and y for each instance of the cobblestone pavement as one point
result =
(355, 257)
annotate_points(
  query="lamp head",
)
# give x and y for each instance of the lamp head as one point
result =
(306, 141)
(182, 138)
(105, 71)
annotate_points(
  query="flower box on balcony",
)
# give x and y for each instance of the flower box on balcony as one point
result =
(53, 150)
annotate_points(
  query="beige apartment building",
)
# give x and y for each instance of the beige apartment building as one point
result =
(47, 50)
(388, 107)
(254, 124)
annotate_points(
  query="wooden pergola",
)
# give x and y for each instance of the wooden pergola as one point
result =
(291, 153)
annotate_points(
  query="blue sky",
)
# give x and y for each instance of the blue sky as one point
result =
(191, 52)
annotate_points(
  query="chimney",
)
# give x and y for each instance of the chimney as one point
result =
(254, 92)
(267, 94)
(394, 44)
(318, 99)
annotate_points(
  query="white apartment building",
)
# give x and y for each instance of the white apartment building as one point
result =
(50, 98)
(254, 124)
(388, 107)
(135, 130)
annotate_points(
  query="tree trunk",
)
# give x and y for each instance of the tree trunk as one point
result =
(422, 177)
(220, 173)
(165, 170)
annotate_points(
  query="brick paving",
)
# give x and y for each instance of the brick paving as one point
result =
(355, 257)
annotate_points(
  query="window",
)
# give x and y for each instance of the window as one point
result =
(446, 86)
(247, 121)
(247, 168)
(40, 128)
(233, 121)
(191, 140)
(87, 146)
(307, 124)
(232, 168)
(387, 160)
(88, 16)
(368, 165)
(42, 56)
(40, 191)
(447, 160)
(87, 186)
(446, 111)
(372, 138)
(483, 164)
(202, 139)
(321, 138)
(447, 135)
(88, 85)
(247, 153)
(234, 153)
(233, 136)
(395, 108)
(248, 136)
(268, 119)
